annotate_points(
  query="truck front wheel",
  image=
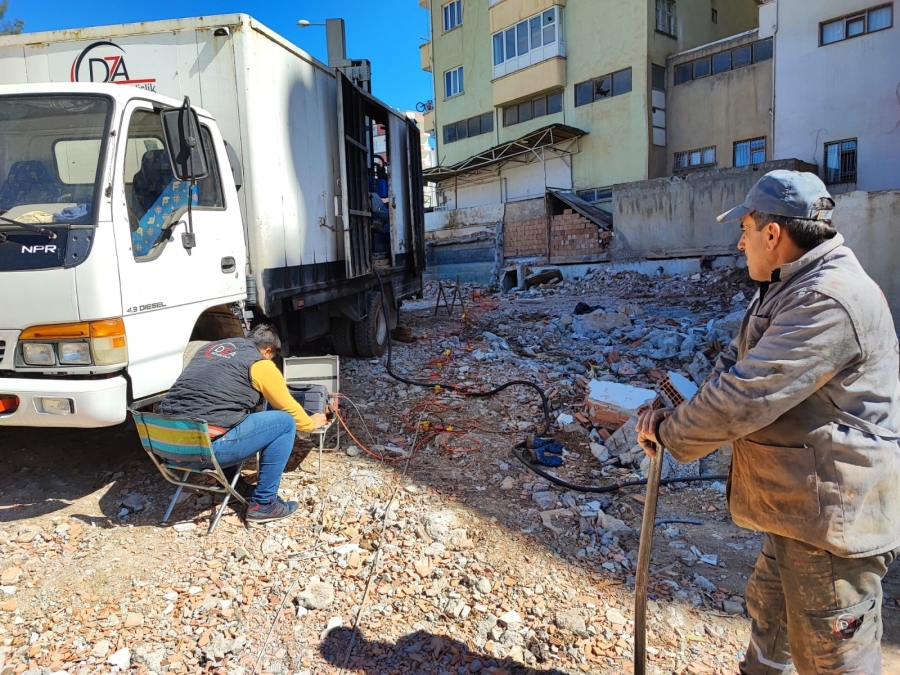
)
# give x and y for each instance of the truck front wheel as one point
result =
(372, 332)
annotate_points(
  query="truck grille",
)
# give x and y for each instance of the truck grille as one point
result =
(2, 349)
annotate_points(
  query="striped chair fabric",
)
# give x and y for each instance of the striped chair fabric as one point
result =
(181, 445)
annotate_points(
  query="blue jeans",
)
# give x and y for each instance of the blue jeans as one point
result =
(269, 433)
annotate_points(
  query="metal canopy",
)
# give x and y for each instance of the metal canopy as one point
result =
(524, 150)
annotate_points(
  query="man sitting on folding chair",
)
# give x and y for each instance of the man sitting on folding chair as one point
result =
(222, 384)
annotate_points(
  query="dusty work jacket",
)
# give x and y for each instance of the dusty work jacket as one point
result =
(808, 393)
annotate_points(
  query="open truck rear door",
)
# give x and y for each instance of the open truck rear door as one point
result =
(356, 204)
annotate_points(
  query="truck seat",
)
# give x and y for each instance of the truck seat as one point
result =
(28, 182)
(157, 198)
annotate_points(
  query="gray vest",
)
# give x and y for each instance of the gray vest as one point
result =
(216, 384)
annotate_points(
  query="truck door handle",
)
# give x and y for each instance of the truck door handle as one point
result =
(228, 265)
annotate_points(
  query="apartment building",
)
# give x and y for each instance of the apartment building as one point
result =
(572, 95)
(837, 89)
(720, 104)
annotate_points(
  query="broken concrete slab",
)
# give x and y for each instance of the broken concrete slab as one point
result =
(610, 404)
(543, 277)
(599, 321)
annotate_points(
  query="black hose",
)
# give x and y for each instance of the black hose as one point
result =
(457, 388)
(600, 489)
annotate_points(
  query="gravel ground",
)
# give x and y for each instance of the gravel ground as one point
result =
(429, 550)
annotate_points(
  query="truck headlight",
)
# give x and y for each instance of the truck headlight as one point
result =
(74, 353)
(38, 354)
(104, 339)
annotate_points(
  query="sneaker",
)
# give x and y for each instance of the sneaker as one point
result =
(274, 510)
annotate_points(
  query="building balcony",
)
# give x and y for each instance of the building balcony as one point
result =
(425, 56)
(428, 122)
(544, 76)
(423, 3)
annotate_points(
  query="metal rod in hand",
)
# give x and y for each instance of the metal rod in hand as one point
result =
(642, 575)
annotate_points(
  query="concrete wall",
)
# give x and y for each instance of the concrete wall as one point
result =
(868, 221)
(838, 91)
(675, 217)
(720, 109)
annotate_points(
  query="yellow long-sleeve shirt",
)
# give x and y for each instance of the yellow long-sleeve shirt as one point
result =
(268, 381)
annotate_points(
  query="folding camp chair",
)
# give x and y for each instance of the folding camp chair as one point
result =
(177, 445)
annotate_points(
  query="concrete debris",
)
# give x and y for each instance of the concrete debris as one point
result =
(470, 564)
(614, 403)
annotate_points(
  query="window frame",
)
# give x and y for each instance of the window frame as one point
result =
(654, 71)
(689, 165)
(506, 111)
(215, 176)
(748, 142)
(594, 81)
(453, 128)
(446, 17)
(862, 14)
(510, 34)
(460, 83)
(842, 180)
(667, 9)
(750, 49)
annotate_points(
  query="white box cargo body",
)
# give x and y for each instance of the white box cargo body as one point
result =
(311, 229)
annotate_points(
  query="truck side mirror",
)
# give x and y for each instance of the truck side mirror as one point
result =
(182, 130)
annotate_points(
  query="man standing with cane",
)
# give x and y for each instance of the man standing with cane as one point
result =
(809, 396)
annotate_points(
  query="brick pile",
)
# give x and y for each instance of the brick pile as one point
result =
(525, 238)
(572, 235)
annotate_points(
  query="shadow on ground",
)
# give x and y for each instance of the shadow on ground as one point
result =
(419, 652)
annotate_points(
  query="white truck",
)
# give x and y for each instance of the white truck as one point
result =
(131, 225)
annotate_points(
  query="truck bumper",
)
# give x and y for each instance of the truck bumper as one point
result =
(42, 403)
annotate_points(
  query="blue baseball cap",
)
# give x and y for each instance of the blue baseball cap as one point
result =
(784, 193)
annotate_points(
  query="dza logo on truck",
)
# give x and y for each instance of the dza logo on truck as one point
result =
(100, 62)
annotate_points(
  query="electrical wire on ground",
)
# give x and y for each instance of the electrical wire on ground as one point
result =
(516, 450)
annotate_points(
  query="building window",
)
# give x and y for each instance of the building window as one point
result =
(722, 62)
(715, 16)
(867, 21)
(665, 17)
(529, 110)
(474, 126)
(691, 159)
(752, 151)
(602, 87)
(452, 15)
(453, 82)
(528, 38)
(701, 68)
(840, 161)
(658, 78)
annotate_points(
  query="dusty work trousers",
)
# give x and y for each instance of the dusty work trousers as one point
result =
(813, 611)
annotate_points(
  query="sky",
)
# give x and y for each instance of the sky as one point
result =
(389, 38)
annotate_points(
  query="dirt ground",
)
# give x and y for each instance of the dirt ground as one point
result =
(448, 559)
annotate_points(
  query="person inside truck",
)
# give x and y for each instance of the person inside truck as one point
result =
(223, 384)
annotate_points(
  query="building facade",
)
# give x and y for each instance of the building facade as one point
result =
(538, 94)
(837, 89)
(719, 97)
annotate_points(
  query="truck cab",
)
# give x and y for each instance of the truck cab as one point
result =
(100, 293)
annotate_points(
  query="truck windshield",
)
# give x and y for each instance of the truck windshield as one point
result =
(50, 158)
